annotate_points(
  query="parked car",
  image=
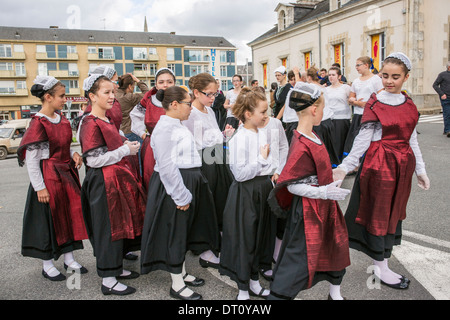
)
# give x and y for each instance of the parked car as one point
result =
(11, 134)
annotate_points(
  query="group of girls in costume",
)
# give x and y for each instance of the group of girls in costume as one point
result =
(218, 193)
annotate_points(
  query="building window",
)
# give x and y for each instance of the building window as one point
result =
(170, 54)
(21, 85)
(5, 51)
(284, 62)
(18, 48)
(6, 66)
(20, 69)
(106, 53)
(223, 71)
(171, 66)
(42, 69)
(7, 87)
(73, 84)
(152, 68)
(41, 48)
(224, 85)
(339, 55)
(139, 53)
(151, 50)
(92, 50)
(198, 55)
(264, 66)
(71, 49)
(378, 50)
(308, 59)
(223, 56)
(140, 67)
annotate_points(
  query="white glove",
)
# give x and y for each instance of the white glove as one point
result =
(133, 146)
(334, 192)
(424, 181)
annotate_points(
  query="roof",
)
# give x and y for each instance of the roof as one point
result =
(304, 14)
(106, 36)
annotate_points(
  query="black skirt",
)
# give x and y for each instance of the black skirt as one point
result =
(376, 247)
(170, 233)
(109, 254)
(38, 233)
(341, 128)
(219, 176)
(249, 228)
(325, 131)
(353, 131)
(290, 127)
(290, 275)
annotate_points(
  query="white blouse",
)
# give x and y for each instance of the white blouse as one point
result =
(373, 132)
(37, 152)
(279, 146)
(174, 148)
(232, 97)
(204, 128)
(364, 89)
(245, 159)
(336, 98)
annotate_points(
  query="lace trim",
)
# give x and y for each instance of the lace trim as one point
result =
(311, 180)
(371, 126)
(97, 152)
(140, 108)
(38, 146)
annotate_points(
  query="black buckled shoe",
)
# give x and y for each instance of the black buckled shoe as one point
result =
(402, 285)
(81, 270)
(59, 277)
(260, 294)
(132, 275)
(109, 291)
(177, 295)
(197, 282)
(206, 264)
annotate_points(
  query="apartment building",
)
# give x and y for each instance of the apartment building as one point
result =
(69, 55)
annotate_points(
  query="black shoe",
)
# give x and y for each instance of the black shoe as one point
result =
(260, 294)
(197, 282)
(59, 277)
(132, 275)
(330, 298)
(82, 270)
(402, 285)
(177, 295)
(262, 272)
(206, 264)
(108, 291)
(130, 256)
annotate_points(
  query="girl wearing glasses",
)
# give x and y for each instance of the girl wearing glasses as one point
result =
(210, 141)
(178, 215)
(361, 90)
(144, 117)
(231, 100)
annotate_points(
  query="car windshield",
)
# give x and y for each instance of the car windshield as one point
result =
(5, 132)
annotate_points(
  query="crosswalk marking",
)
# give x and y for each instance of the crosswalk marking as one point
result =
(435, 118)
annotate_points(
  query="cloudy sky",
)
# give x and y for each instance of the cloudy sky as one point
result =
(239, 21)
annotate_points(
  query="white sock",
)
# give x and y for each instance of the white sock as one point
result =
(178, 283)
(50, 268)
(384, 273)
(256, 287)
(277, 248)
(209, 256)
(70, 261)
(335, 292)
(183, 272)
(109, 282)
(243, 295)
(125, 273)
(389, 270)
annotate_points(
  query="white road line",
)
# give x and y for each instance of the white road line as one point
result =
(430, 267)
(441, 243)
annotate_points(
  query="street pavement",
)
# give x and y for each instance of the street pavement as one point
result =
(424, 256)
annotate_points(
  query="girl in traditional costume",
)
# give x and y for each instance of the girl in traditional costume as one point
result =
(180, 214)
(388, 144)
(53, 220)
(315, 243)
(112, 198)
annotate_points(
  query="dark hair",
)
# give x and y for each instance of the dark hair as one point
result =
(163, 72)
(125, 81)
(247, 101)
(38, 91)
(254, 81)
(170, 95)
(96, 86)
(239, 76)
(336, 65)
(201, 81)
(397, 62)
(291, 75)
(338, 71)
(274, 86)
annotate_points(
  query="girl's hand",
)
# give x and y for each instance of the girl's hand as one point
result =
(43, 196)
(183, 208)
(275, 177)
(133, 146)
(424, 182)
(229, 131)
(78, 160)
(265, 150)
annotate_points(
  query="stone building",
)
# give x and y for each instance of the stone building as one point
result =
(320, 33)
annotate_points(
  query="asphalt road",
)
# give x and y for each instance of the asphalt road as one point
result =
(424, 255)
